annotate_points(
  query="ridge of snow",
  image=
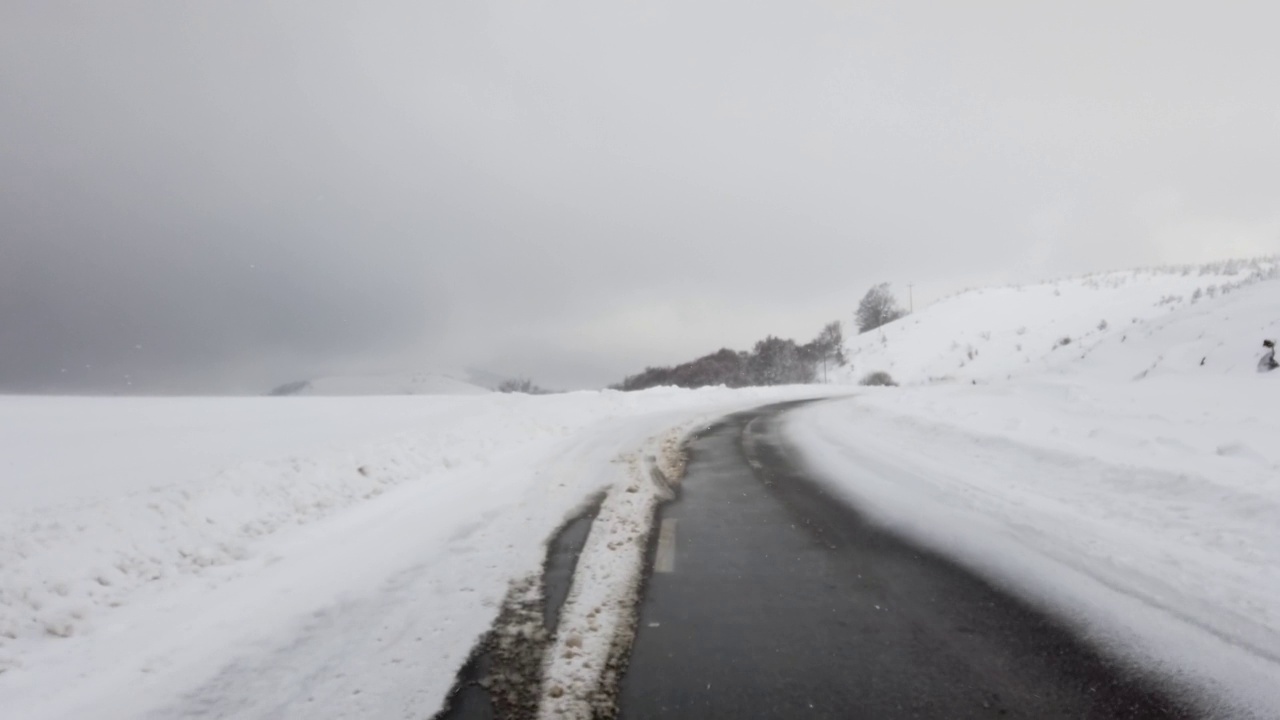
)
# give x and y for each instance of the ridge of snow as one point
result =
(597, 622)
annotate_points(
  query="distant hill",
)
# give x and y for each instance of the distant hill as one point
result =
(392, 384)
(1119, 324)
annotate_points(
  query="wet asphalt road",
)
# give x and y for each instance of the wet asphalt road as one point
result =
(777, 601)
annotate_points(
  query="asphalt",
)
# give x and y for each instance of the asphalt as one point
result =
(778, 601)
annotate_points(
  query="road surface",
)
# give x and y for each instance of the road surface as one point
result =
(770, 599)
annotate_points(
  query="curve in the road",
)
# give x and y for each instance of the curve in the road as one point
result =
(775, 600)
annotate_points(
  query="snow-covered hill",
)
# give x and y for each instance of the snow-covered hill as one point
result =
(391, 384)
(1116, 324)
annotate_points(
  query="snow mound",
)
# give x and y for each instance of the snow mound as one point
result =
(1006, 332)
(597, 624)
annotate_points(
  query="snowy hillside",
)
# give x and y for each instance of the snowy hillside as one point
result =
(391, 384)
(1119, 322)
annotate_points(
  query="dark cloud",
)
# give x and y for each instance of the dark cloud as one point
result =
(219, 197)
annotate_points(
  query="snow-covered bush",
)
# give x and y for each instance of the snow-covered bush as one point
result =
(878, 378)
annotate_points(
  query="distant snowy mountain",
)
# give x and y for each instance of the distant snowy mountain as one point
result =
(1118, 324)
(392, 384)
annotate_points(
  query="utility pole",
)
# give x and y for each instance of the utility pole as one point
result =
(911, 302)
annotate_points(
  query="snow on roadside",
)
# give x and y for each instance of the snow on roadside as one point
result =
(311, 557)
(597, 623)
(1145, 513)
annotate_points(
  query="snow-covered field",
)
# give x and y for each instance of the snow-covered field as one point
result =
(1129, 479)
(287, 557)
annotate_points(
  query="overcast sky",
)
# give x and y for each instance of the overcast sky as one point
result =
(223, 196)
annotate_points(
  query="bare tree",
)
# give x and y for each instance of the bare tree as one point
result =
(878, 307)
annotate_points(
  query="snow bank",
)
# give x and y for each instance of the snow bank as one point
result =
(597, 623)
(285, 557)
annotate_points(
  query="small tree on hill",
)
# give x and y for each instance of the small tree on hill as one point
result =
(878, 307)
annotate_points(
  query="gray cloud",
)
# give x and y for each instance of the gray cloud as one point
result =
(218, 197)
